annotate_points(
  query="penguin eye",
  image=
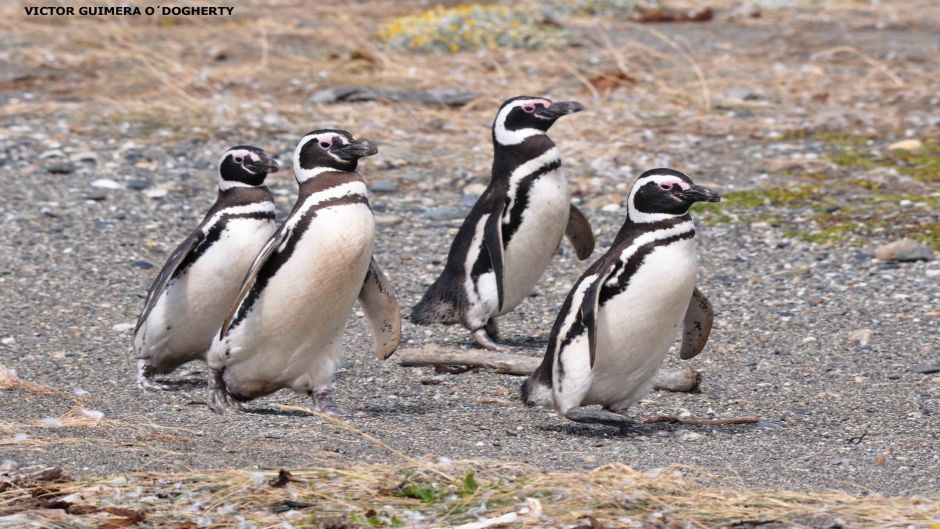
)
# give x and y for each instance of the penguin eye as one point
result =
(325, 144)
(665, 187)
(529, 108)
(238, 159)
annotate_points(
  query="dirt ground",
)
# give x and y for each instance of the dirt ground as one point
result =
(791, 114)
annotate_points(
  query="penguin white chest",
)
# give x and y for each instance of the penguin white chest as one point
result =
(636, 327)
(536, 239)
(181, 325)
(295, 330)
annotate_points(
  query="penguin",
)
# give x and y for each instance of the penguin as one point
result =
(620, 318)
(192, 293)
(285, 328)
(510, 235)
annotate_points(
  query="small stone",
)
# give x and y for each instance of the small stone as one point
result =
(92, 414)
(51, 153)
(51, 422)
(685, 435)
(911, 145)
(904, 250)
(105, 183)
(138, 184)
(861, 336)
(444, 213)
(840, 461)
(925, 369)
(611, 208)
(8, 340)
(933, 273)
(121, 327)
(59, 167)
(86, 157)
(96, 195)
(388, 220)
(156, 193)
(20, 437)
(742, 94)
(769, 425)
(384, 186)
(142, 265)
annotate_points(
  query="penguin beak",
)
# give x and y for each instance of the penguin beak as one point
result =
(699, 194)
(264, 165)
(559, 109)
(354, 150)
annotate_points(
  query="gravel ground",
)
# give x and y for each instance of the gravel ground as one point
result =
(836, 413)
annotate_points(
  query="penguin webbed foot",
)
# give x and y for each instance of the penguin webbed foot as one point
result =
(483, 339)
(145, 373)
(323, 402)
(605, 417)
(219, 399)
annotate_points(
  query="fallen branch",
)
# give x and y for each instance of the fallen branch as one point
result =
(681, 380)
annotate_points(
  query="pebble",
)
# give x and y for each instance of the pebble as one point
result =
(8, 340)
(444, 213)
(686, 435)
(388, 220)
(906, 145)
(904, 250)
(121, 327)
(861, 336)
(139, 184)
(59, 167)
(51, 153)
(925, 369)
(92, 414)
(96, 195)
(769, 425)
(156, 193)
(105, 183)
(87, 157)
(142, 265)
(384, 186)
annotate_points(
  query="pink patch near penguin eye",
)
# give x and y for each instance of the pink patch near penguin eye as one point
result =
(529, 108)
(324, 144)
(666, 187)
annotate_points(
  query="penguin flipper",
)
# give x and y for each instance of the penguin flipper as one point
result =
(167, 272)
(266, 252)
(697, 325)
(378, 302)
(579, 233)
(493, 242)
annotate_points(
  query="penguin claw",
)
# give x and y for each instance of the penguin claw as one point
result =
(219, 399)
(607, 418)
(145, 379)
(323, 402)
(483, 339)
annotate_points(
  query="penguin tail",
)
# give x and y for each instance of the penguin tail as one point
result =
(438, 305)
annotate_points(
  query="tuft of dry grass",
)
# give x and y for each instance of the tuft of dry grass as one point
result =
(396, 496)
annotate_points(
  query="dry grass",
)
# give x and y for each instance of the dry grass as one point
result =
(386, 495)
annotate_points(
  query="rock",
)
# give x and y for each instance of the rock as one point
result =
(468, 200)
(139, 184)
(105, 183)
(51, 153)
(926, 369)
(388, 220)
(904, 250)
(121, 327)
(8, 340)
(59, 167)
(911, 145)
(384, 186)
(611, 208)
(769, 425)
(142, 265)
(86, 157)
(156, 193)
(96, 195)
(741, 93)
(686, 435)
(444, 213)
(861, 336)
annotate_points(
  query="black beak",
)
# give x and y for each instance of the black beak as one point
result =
(700, 194)
(264, 165)
(355, 150)
(559, 109)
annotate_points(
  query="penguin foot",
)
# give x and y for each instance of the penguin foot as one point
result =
(607, 418)
(323, 402)
(219, 400)
(483, 339)
(145, 379)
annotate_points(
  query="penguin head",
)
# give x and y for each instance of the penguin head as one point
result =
(245, 166)
(329, 150)
(523, 116)
(661, 194)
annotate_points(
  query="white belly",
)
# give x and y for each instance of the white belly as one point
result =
(293, 335)
(182, 324)
(636, 328)
(534, 244)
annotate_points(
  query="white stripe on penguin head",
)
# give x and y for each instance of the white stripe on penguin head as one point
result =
(505, 136)
(301, 174)
(660, 179)
(224, 184)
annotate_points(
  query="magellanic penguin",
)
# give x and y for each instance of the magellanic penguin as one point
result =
(196, 287)
(285, 329)
(508, 239)
(621, 316)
